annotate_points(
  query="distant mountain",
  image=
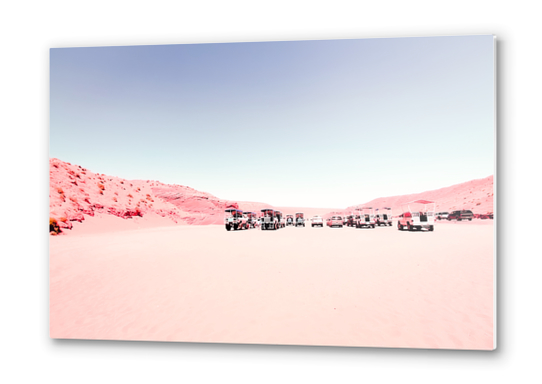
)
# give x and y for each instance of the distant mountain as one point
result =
(476, 195)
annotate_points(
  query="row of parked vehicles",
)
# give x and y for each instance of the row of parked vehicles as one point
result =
(464, 214)
(272, 219)
(363, 217)
(296, 221)
(415, 216)
(269, 219)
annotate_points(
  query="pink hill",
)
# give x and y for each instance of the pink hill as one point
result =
(475, 195)
(76, 193)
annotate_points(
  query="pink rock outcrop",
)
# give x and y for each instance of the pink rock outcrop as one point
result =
(76, 192)
(202, 208)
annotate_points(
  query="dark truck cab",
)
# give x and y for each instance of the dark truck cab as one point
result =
(464, 214)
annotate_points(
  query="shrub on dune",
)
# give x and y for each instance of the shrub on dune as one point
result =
(54, 228)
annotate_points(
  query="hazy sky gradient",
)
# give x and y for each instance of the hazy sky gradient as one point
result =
(307, 123)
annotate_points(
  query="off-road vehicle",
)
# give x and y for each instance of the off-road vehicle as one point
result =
(417, 215)
(460, 215)
(268, 219)
(289, 220)
(234, 219)
(366, 217)
(383, 216)
(299, 219)
(281, 219)
(252, 219)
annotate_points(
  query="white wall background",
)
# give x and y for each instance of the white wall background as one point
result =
(29, 29)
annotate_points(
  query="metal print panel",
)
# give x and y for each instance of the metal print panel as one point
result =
(332, 193)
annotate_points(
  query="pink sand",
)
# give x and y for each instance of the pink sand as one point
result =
(309, 286)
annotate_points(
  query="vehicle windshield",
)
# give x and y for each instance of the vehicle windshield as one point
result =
(267, 213)
(233, 213)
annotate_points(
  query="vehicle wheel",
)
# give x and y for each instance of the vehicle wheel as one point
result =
(470, 219)
(228, 227)
(399, 226)
(372, 226)
(459, 219)
(409, 227)
(430, 228)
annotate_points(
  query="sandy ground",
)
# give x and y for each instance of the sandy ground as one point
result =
(309, 286)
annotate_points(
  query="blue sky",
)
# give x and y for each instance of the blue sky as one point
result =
(305, 123)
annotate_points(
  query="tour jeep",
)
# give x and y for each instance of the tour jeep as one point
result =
(234, 219)
(252, 219)
(366, 217)
(299, 219)
(281, 219)
(417, 215)
(268, 219)
(383, 216)
(289, 220)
